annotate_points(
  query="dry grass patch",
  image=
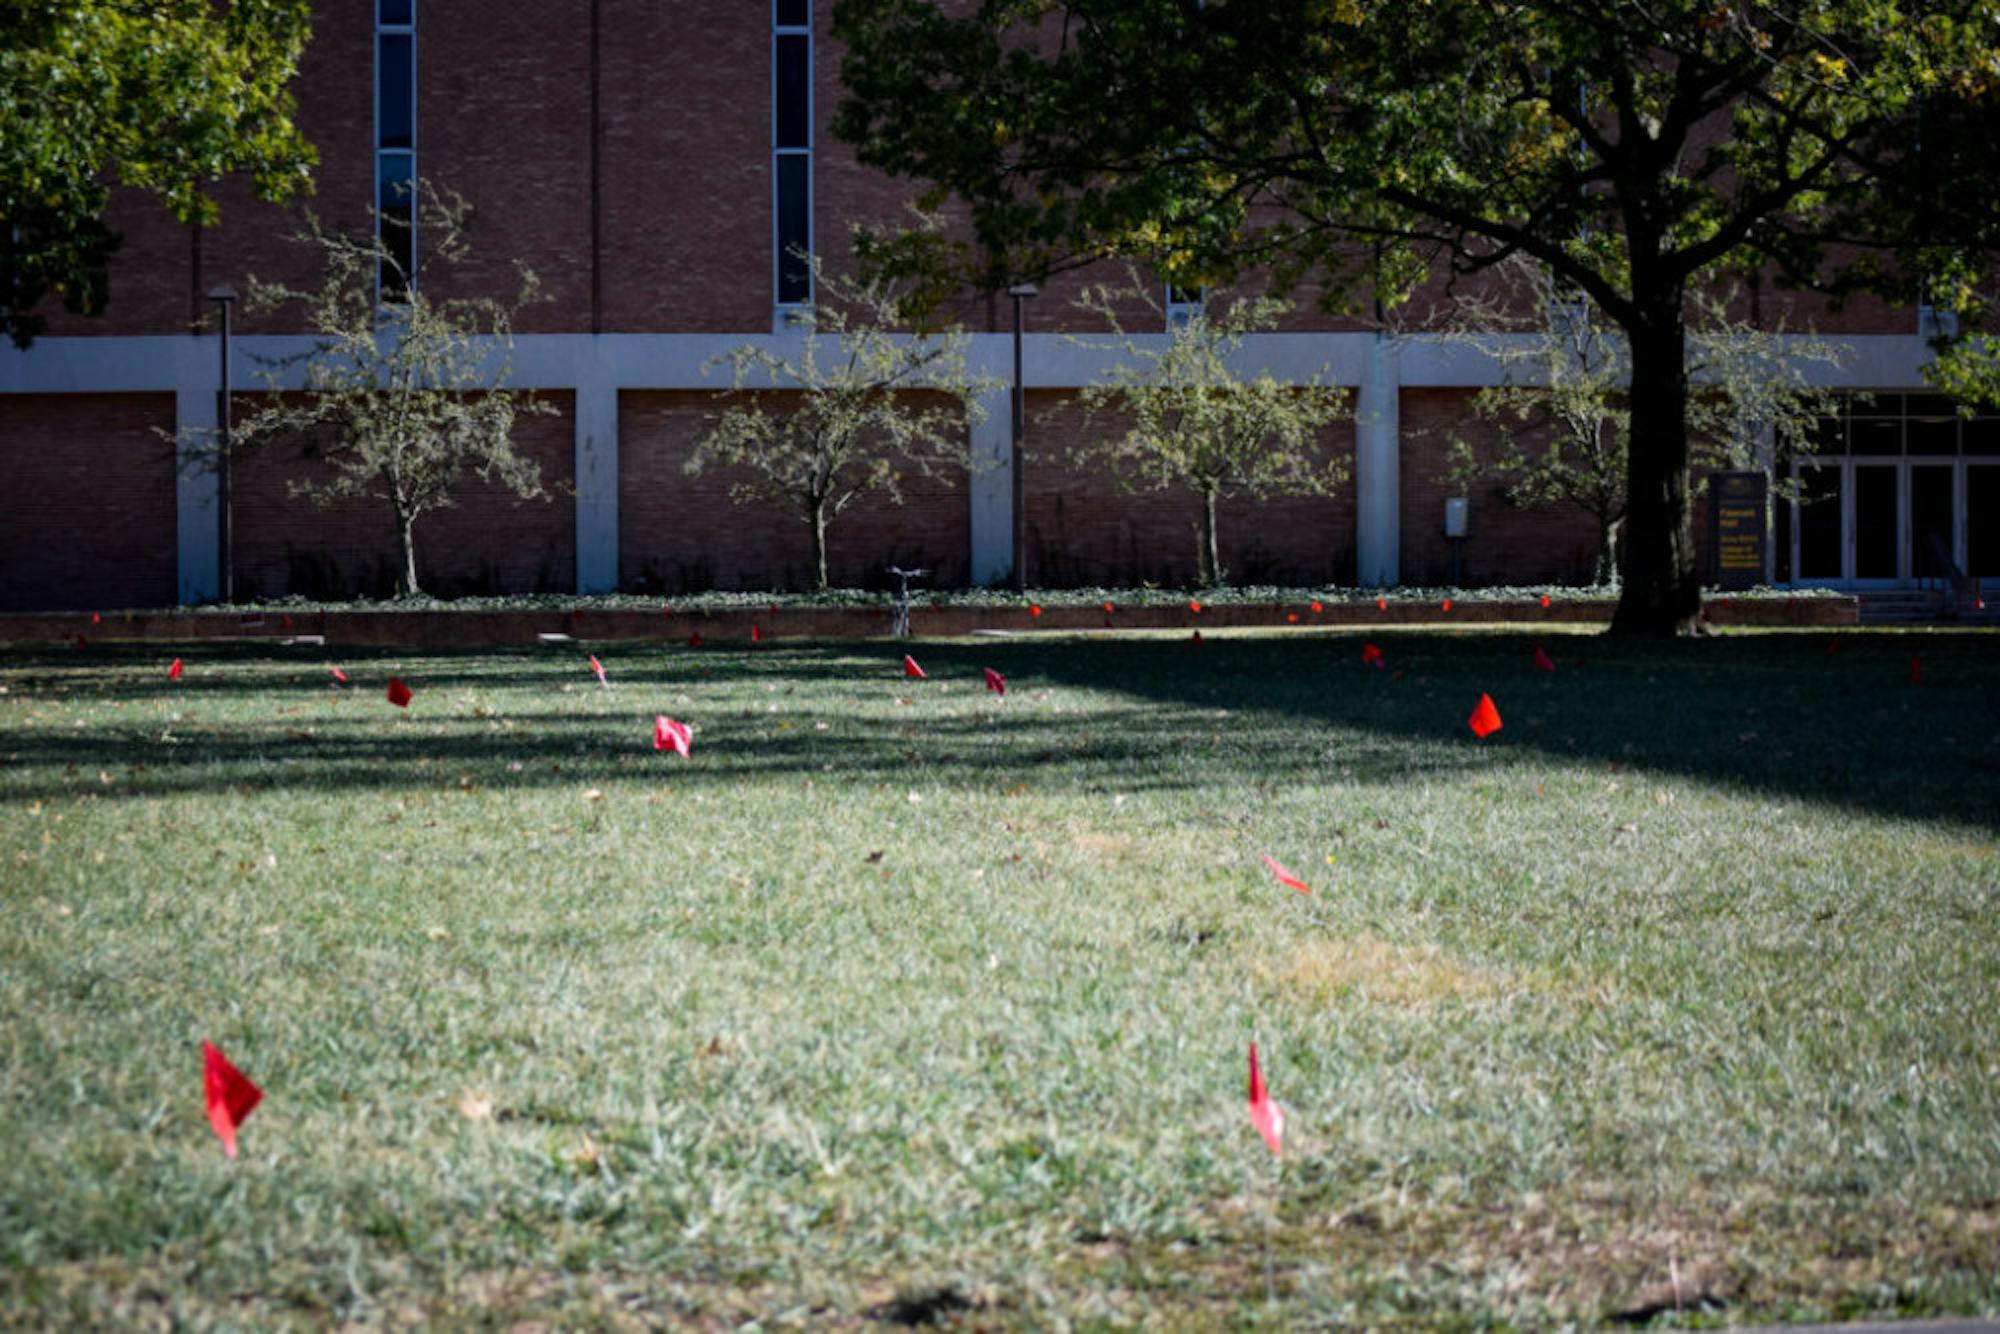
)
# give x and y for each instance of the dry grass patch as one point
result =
(1410, 977)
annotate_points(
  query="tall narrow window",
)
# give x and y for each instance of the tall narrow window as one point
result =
(791, 150)
(396, 144)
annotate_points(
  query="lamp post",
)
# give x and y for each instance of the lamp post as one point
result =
(1020, 292)
(225, 297)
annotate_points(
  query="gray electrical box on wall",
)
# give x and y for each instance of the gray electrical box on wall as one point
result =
(1454, 516)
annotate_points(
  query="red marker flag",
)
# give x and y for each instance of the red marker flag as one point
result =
(231, 1096)
(338, 675)
(1916, 670)
(399, 694)
(1285, 878)
(995, 682)
(1485, 719)
(174, 672)
(95, 619)
(1381, 604)
(910, 667)
(756, 635)
(694, 640)
(598, 667)
(1447, 604)
(1107, 609)
(1266, 1115)
(1371, 655)
(1545, 599)
(1316, 608)
(1291, 618)
(1195, 607)
(670, 735)
(1034, 611)
(1544, 661)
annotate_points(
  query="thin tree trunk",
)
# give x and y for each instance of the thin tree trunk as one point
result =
(1662, 592)
(406, 542)
(1210, 562)
(1607, 551)
(816, 517)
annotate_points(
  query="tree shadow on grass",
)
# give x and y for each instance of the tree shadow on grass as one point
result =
(1770, 713)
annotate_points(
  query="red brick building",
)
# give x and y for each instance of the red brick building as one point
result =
(653, 163)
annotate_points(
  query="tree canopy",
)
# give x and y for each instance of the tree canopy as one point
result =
(1635, 150)
(165, 95)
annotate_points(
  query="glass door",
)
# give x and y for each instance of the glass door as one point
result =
(1933, 520)
(1876, 490)
(1982, 520)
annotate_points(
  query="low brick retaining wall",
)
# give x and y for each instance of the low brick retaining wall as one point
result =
(465, 629)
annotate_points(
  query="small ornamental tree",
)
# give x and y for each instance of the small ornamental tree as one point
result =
(866, 404)
(403, 399)
(1193, 423)
(1563, 413)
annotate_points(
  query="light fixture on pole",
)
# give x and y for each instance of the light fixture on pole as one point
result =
(225, 297)
(1020, 292)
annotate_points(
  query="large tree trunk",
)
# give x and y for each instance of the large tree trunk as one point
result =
(1662, 593)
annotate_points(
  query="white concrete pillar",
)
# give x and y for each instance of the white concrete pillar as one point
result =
(992, 486)
(1377, 460)
(197, 488)
(596, 480)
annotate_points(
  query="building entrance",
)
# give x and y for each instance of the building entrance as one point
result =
(1901, 491)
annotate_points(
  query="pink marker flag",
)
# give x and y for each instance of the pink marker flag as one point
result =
(1371, 655)
(995, 682)
(1544, 661)
(174, 672)
(598, 667)
(670, 735)
(1485, 719)
(96, 619)
(338, 675)
(1916, 670)
(399, 694)
(1265, 1114)
(1285, 878)
(231, 1096)
(910, 667)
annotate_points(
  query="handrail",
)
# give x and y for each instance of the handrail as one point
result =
(1964, 589)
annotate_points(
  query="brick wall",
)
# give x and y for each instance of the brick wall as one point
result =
(1083, 528)
(488, 541)
(93, 521)
(1506, 544)
(680, 532)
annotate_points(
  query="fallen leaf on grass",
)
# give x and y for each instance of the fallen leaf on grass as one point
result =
(474, 1107)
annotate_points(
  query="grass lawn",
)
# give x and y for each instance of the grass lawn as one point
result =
(900, 1000)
